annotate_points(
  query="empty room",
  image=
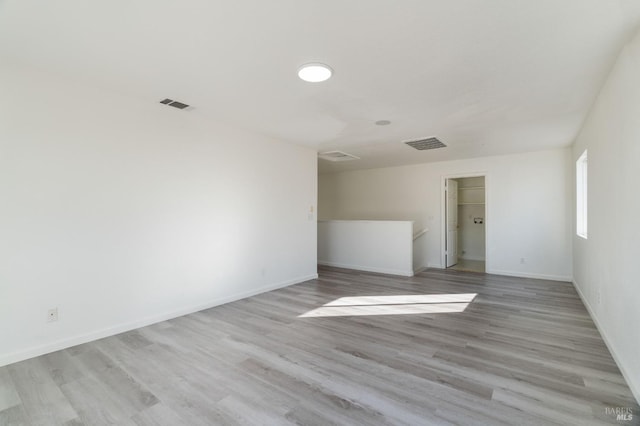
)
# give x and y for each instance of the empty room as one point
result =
(416, 212)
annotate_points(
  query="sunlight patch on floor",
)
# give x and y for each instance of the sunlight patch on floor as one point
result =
(393, 305)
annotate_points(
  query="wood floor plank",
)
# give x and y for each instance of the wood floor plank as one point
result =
(313, 400)
(8, 394)
(63, 368)
(43, 402)
(522, 351)
(96, 405)
(13, 416)
(158, 415)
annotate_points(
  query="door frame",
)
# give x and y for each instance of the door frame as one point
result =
(443, 213)
(449, 208)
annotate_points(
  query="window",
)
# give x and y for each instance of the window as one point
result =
(581, 195)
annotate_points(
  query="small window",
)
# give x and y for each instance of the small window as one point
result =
(581, 195)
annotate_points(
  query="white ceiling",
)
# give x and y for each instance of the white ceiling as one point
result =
(485, 76)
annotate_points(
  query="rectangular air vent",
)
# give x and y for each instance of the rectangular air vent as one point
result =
(174, 104)
(337, 156)
(428, 143)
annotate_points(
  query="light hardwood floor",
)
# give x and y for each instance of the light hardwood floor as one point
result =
(457, 348)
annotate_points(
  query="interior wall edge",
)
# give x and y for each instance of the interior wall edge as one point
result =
(68, 342)
(627, 376)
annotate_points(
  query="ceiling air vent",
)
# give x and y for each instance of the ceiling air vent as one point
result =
(174, 104)
(428, 143)
(337, 156)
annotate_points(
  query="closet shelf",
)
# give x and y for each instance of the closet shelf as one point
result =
(466, 204)
(471, 187)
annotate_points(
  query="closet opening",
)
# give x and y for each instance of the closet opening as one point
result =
(464, 229)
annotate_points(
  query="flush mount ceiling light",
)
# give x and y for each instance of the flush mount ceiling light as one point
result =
(315, 72)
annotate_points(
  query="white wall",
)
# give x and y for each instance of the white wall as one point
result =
(365, 245)
(528, 206)
(606, 265)
(122, 212)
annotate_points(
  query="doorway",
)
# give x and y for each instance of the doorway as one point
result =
(464, 228)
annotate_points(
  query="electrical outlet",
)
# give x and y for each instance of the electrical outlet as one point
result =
(52, 315)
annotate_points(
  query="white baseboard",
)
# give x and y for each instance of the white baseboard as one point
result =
(634, 390)
(404, 273)
(68, 342)
(565, 278)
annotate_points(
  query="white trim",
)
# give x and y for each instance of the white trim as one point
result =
(565, 278)
(404, 273)
(594, 318)
(68, 342)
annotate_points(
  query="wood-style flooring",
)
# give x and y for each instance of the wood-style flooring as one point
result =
(469, 265)
(443, 347)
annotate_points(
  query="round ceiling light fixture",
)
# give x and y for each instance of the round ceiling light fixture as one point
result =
(315, 72)
(383, 122)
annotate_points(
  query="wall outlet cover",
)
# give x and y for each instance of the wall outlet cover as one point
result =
(52, 315)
